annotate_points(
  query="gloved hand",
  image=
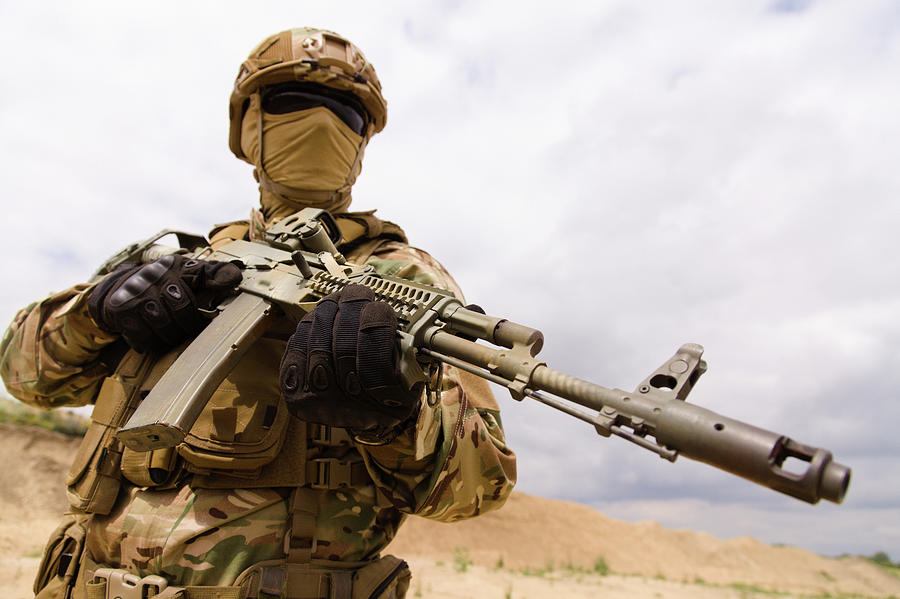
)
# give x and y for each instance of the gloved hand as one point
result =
(156, 306)
(342, 368)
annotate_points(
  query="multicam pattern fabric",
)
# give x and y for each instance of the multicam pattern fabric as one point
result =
(50, 354)
(453, 464)
(192, 537)
(432, 471)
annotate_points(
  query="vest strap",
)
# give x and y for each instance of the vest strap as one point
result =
(327, 436)
(303, 581)
(300, 538)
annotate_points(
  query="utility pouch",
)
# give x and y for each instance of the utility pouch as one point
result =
(59, 563)
(383, 578)
(387, 577)
(150, 468)
(234, 434)
(243, 426)
(94, 478)
(157, 467)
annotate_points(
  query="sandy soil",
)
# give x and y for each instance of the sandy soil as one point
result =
(558, 537)
(440, 580)
(32, 498)
(533, 548)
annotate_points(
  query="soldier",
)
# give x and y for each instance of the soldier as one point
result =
(258, 501)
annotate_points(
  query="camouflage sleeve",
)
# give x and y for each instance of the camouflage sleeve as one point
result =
(49, 355)
(454, 463)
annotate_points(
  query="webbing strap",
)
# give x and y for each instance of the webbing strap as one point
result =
(305, 585)
(300, 539)
(211, 593)
(95, 590)
(341, 584)
(300, 581)
(201, 593)
(329, 436)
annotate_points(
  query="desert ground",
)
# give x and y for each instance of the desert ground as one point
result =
(533, 548)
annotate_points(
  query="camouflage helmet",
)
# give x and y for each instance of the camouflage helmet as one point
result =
(310, 55)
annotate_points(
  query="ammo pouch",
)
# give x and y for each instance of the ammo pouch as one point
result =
(94, 478)
(383, 578)
(61, 558)
(244, 424)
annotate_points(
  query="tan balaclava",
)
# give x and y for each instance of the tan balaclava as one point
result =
(309, 158)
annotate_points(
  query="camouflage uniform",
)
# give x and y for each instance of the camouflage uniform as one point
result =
(453, 464)
(255, 497)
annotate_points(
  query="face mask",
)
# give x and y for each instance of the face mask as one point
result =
(311, 157)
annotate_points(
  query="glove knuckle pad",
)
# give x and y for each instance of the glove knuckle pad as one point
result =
(291, 377)
(155, 305)
(137, 284)
(292, 372)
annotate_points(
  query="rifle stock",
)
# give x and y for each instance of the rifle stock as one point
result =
(435, 327)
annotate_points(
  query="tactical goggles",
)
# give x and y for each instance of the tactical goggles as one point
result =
(294, 96)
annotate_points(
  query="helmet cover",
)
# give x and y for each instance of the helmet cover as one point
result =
(310, 55)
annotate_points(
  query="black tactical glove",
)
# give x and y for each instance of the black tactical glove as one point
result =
(342, 368)
(157, 306)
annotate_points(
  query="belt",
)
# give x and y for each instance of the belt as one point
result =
(111, 583)
(290, 581)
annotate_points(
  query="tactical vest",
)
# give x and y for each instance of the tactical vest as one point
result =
(244, 426)
(244, 438)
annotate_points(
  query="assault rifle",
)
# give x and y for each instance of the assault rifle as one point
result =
(299, 264)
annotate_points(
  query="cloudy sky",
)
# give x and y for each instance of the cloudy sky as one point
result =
(625, 176)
